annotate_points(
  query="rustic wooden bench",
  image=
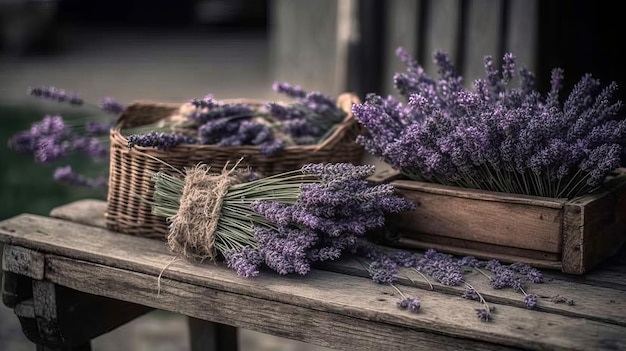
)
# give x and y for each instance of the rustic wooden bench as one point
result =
(69, 280)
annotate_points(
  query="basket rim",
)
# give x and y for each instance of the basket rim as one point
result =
(344, 100)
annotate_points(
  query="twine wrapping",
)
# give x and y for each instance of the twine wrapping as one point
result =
(192, 229)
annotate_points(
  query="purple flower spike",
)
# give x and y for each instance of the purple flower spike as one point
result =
(530, 301)
(289, 90)
(244, 261)
(22, 142)
(111, 106)
(483, 315)
(55, 94)
(411, 304)
(98, 128)
(159, 140)
(67, 176)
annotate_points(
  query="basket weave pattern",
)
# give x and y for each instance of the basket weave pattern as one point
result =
(131, 169)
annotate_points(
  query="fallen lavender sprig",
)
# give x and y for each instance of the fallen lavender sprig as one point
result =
(449, 270)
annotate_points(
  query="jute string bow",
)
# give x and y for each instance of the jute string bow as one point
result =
(193, 228)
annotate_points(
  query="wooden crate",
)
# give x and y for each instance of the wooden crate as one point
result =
(569, 235)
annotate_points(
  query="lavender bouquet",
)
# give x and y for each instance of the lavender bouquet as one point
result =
(496, 137)
(54, 138)
(283, 222)
(309, 119)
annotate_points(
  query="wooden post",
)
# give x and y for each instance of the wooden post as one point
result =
(304, 43)
(209, 336)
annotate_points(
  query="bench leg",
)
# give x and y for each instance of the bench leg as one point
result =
(209, 336)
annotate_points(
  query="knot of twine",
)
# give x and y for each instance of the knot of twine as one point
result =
(192, 229)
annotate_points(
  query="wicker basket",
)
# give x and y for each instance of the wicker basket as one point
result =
(131, 169)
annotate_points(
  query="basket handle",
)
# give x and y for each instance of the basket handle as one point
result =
(345, 102)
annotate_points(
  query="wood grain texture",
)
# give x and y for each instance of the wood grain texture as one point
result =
(600, 297)
(494, 222)
(320, 291)
(91, 213)
(599, 303)
(484, 250)
(474, 194)
(45, 308)
(594, 227)
(345, 329)
(22, 261)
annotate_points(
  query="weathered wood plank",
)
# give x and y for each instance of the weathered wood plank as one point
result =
(117, 250)
(492, 222)
(87, 211)
(23, 261)
(485, 250)
(45, 308)
(592, 302)
(594, 227)
(345, 324)
(476, 194)
(507, 256)
(595, 296)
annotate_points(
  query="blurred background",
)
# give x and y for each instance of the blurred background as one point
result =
(177, 50)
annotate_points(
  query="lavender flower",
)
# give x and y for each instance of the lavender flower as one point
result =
(159, 140)
(496, 137)
(530, 301)
(94, 128)
(111, 106)
(244, 261)
(90, 146)
(409, 303)
(49, 148)
(271, 148)
(207, 102)
(331, 212)
(289, 90)
(55, 94)
(483, 315)
(470, 294)
(448, 270)
(309, 118)
(68, 176)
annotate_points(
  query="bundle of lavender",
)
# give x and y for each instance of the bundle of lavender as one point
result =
(283, 222)
(55, 138)
(496, 137)
(308, 119)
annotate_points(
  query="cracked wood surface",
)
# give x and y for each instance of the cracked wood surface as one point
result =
(336, 305)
